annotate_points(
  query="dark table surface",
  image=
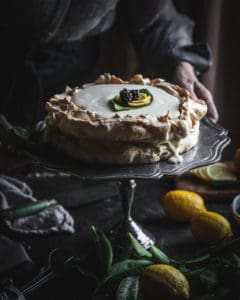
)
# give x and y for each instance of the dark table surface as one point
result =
(98, 204)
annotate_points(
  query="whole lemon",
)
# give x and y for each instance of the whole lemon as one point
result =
(163, 282)
(181, 205)
(210, 227)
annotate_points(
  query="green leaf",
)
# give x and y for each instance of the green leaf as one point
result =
(104, 251)
(119, 107)
(234, 260)
(127, 267)
(159, 256)
(195, 272)
(183, 269)
(22, 133)
(95, 234)
(139, 249)
(209, 278)
(198, 259)
(128, 289)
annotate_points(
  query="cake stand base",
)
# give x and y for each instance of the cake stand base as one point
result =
(127, 190)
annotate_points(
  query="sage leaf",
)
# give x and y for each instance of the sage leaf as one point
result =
(139, 249)
(128, 289)
(159, 256)
(127, 267)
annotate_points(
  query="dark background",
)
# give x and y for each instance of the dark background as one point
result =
(218, 23)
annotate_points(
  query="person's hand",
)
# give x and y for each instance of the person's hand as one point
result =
(185, 77)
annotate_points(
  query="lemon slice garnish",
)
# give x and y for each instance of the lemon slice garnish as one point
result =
(142, 101)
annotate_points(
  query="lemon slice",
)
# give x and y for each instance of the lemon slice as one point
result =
(144, 100)
(201, 173)
(220, 171)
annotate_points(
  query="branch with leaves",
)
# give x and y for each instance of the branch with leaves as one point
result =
(211, 275)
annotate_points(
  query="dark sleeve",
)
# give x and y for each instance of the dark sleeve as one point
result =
(163, 37)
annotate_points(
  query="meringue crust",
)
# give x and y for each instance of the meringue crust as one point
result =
(88, 136)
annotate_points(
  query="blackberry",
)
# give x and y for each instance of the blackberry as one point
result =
(135, 94)
(125, 96)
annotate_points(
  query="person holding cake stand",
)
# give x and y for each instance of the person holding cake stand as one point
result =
(56, 43)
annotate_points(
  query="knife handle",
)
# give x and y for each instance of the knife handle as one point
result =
(30, 209)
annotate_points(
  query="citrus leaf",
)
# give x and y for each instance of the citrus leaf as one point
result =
(104, 251)
(159, 256)
(193, 272)
(22, 133)
(183, 269)
(234, 260)
(198, 259)
(95, 235)
(127, 267)
(139, 249)
(128, 289)
(209, 278)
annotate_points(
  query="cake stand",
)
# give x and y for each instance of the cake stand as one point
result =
(212, 140)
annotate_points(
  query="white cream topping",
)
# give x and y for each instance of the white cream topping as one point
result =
(96, 98)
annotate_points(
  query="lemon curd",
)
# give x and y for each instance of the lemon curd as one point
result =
(96, 99)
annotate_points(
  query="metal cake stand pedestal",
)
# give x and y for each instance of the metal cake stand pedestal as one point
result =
(212, 140)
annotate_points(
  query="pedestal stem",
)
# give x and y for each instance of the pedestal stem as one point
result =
(127, 189)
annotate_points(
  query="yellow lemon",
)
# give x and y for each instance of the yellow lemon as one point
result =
(210, 227)
(163, 282)
(181, 205)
